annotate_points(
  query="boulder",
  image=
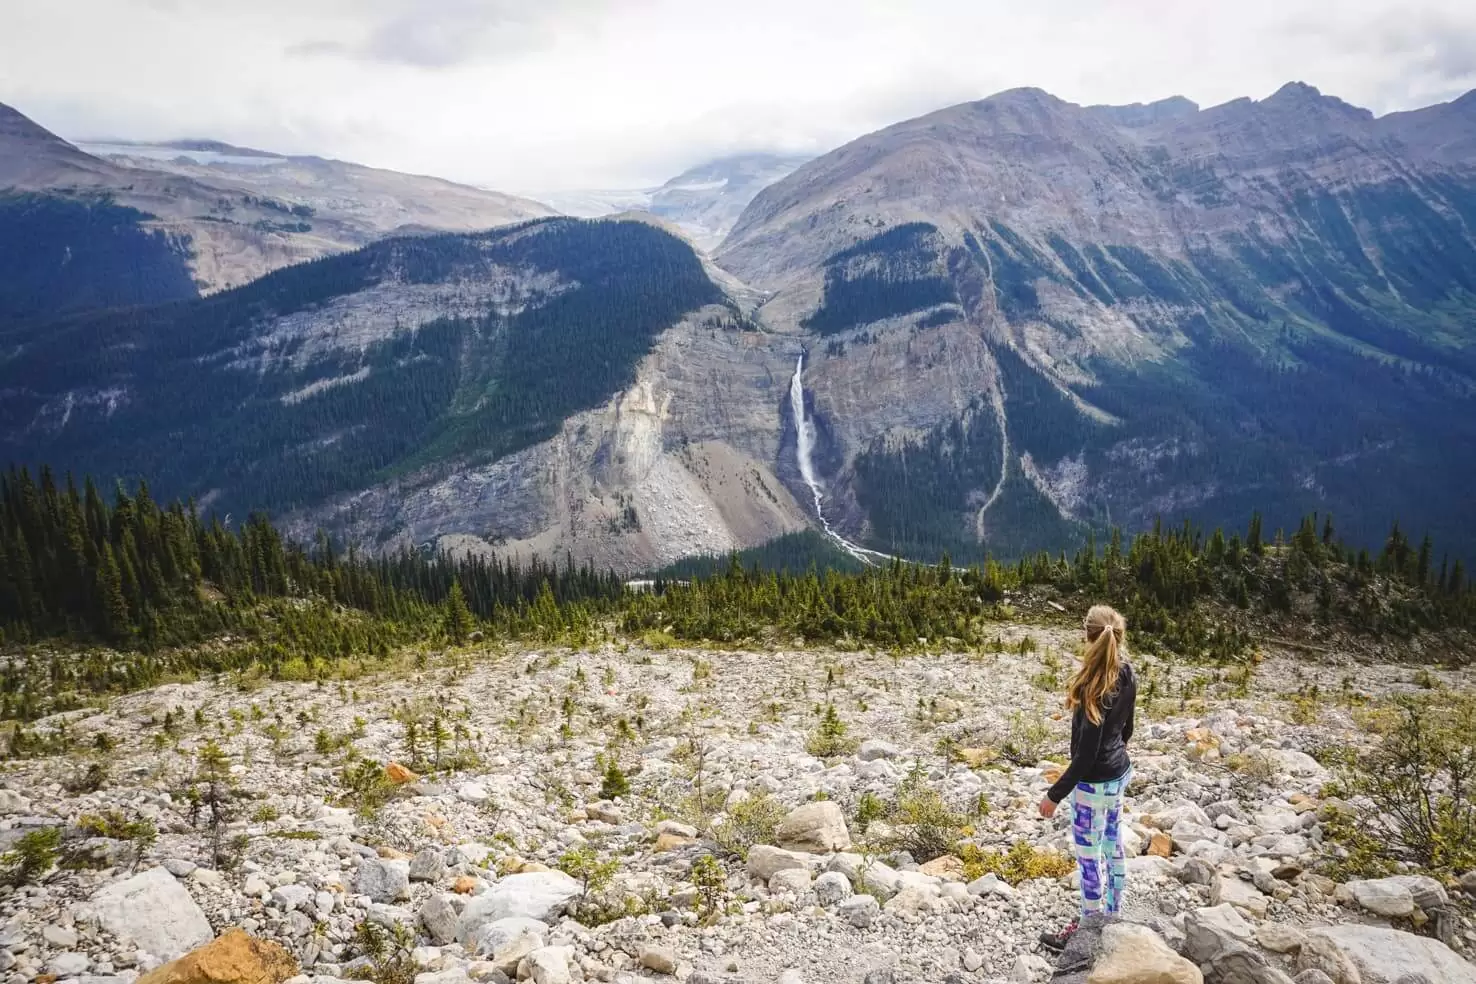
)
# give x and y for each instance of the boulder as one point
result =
(382, 880)
(1166, 818)
(438, 916)
(1241, 894)
(12, 802)
(661, 959)
(1279, 937)
(428, 865)
(948, 868)
(765, 861)
(1133, 954)
(860, 910)
(1385, 956)
(154, 911)
(1427, 892)
(1312, 976)
(1386, 897)
(818, 828)
(1216, 939)
(398, 774)
(795, 881)
(234, 958)
(1160, 844)
(548, 965)
(506, 942)
(540, 895)
(874, 748)
(1318, 952)
(666, 843)
(832, 888)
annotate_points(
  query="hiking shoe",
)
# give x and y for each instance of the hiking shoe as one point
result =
(1058, 941)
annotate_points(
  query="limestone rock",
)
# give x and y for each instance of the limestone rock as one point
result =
(1216, 938)
(795, 881)
(874, 748)
(438, 916)
(382, 880)
(540, 895)
(235, 958)
(1386, 897)
(1133, 954)
(860, 910)
(154, 911)
(12, 803)
(1384, 956)
(1243, 895)
(1160, 844)
(948, 867)
(818, 828)
(765, 861)
(668, 842)
(661, 959)
(832, 888)
(1279, 937)
(428, 865)
(1319, 952)
(549, 965)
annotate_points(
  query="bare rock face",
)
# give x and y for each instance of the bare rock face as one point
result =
(1134, 954)
(233, 958)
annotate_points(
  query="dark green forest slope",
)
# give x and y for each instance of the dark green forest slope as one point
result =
(192, 395)
(61, 255)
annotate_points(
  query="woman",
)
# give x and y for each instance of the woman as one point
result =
(1102, 697)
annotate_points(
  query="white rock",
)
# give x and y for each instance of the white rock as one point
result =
(992, 885)
(874, 748)
(550, 965)
(1387, 897)
(154, 911)
(765, 861)
(428, 865)
(1383, 956)
(472, 792)
(1241, 894)
(832, 888)
(860, 910)
(383, 880)
(676, 829)
(795, 881)
(12, 803)
(540, 895)
(179, 867)
(1226, 919)
(59, 936)
(1029, 968)
(68, 964)
(1133, 954)
(1279, 937)
(818, 828)
(661, 959)
(289, 897)
(438, 916)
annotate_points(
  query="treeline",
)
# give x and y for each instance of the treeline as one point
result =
(1179, 588)
(140, 575)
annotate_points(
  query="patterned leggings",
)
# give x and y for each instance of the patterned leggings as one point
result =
(1097, 809)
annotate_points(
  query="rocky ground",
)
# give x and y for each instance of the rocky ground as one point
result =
(326, 831)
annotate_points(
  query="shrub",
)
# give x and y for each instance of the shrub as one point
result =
(751, 821)
(830, 737)
(1028, 739)
(33, 855)
(1021, 862)
(1419, 785)
(388, 952)
(90, 780)
(365, 786)
(869, 809)
(613, 783)
(584, 865)
(925, 827)
(710, 878)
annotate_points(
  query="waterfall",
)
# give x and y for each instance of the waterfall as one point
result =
(804, 441)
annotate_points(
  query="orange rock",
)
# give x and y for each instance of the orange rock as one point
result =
(1160, 844)
(464, 885)
(976, 757)
(233, 958)
(672, 842)
(948, 868)
(391, 854)
(398, 774)
(1053, 773)
(534, 866)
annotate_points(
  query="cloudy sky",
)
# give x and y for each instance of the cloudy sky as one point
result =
(529, 95)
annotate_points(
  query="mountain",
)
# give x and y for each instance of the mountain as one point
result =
(995, 329)
(703, 202)
(491, 387)
(1136, 311)
(214, 215)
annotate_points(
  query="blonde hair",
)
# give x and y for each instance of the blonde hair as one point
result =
(1091, 685)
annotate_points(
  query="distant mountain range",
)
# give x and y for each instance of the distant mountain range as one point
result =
(229, 215)
(703, 202)
(1015, 322)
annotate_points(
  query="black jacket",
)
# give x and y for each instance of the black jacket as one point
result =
(1099, 751)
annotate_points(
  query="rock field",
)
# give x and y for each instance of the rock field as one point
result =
(359, 857)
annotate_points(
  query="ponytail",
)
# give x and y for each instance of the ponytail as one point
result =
(1091, 685)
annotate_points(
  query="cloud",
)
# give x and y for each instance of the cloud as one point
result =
(528, 95)
(437, 34)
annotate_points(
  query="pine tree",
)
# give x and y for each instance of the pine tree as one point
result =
(1253, 536)
(113, 616)
(457, 617)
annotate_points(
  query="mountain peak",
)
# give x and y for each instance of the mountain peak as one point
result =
(1299, 95)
